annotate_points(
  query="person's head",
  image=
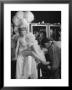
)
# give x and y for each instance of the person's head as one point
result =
(36, 34)
(23, 31)
(22, 21)
(42, 34)
(23, 28)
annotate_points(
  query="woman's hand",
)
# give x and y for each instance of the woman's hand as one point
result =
(45, 50)
(46, 63)
(38, 59)
(27, 53)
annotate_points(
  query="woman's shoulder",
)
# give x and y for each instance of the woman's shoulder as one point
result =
(19, 40)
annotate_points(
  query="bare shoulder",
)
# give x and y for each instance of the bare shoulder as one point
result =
(18, 40)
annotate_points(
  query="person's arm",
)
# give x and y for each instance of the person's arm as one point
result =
(39, 55)
(39, 59)
(17, 49)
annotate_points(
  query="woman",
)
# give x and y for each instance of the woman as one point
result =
(28, 53)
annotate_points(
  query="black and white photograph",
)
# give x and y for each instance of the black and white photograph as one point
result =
(35, 44)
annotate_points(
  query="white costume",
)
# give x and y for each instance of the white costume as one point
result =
(26, 65)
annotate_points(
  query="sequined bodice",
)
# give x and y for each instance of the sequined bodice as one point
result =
(23, 45)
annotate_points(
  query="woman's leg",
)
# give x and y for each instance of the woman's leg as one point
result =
(19, 67)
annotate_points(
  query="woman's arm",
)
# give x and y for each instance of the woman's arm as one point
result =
(17, 49)
(39, 59)
(39, 55)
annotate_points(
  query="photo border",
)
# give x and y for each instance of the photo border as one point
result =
(2, 2)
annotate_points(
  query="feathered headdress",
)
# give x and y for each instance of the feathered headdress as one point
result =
(23, 18)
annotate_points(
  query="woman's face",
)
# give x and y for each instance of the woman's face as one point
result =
(23, 31)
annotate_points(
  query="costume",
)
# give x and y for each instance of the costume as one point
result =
(26, 66)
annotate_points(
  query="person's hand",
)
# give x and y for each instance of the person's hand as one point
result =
(45, 50)
(49, 67)
(27, 53)
(46, 63)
